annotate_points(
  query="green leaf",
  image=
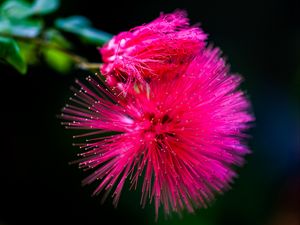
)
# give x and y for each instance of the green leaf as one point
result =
(43, 7)
(28, 52)
(94, 36)
(58, 60)
(21, 9)
(22, 28)
(72, 23)
(16, 9)
(10, 52)
(55, 37)
(82, 27)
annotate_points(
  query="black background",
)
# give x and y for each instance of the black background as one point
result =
(260, 39)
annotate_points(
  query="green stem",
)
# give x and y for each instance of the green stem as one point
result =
(89, 66)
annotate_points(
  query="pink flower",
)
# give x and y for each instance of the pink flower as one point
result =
(152, 50)
(183, 136)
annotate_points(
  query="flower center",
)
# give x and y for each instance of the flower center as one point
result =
(155, 128)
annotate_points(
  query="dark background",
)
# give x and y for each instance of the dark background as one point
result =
(260, 39)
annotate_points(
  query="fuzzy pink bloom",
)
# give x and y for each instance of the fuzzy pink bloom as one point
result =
(183, 136)
(152, 50)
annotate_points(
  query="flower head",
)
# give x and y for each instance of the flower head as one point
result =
(152, 50)
(183, 135)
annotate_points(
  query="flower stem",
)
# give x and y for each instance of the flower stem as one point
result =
(89, 66)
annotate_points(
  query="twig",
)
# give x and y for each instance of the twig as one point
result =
(89, 66)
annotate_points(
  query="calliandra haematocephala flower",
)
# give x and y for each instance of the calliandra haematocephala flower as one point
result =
(180, 139)
(151, 51)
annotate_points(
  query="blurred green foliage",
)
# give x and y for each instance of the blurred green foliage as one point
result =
(10, 51)
(24, 36)
(58, 60)
(21, 9)
(83, 28)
